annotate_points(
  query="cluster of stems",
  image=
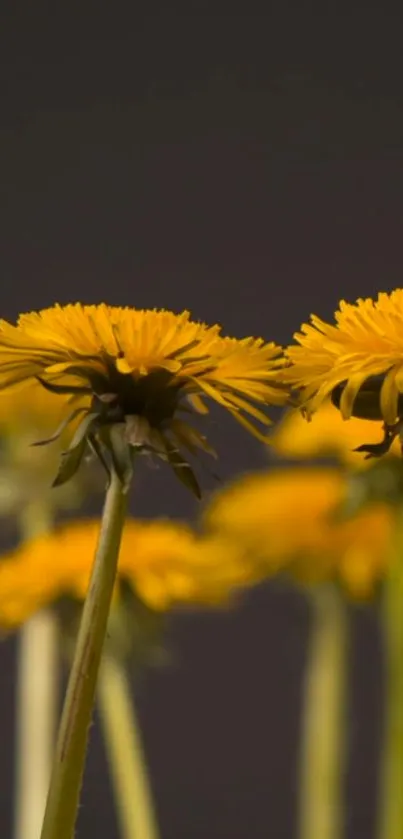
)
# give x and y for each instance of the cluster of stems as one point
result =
(48, 776)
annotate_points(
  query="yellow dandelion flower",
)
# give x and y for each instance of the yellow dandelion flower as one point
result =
(327, 434)
(287, 520)
(165, 564)
(358, 361)
(139, 371)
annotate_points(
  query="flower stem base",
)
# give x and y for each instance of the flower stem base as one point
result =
(68, 767)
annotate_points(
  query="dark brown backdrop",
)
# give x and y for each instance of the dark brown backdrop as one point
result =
(248, 167)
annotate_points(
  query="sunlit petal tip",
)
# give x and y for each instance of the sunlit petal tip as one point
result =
(123, 366)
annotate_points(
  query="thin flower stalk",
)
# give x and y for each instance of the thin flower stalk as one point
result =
(126, 759)
(69, 761)
(323, 747)
(391, 782)
(36, 701)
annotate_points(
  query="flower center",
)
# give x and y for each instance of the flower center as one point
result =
(153, 397)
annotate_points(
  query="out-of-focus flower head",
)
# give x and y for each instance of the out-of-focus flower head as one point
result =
(27, 415)
(290, 519)
(163, 563)
(327, 435)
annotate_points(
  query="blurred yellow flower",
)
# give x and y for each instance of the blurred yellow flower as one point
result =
(287, 520)
(326, 434)
(165, 563)
(140, 370)
(31, 410)
(26, 471)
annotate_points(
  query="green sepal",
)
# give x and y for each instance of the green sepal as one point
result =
(182, 469)
(121, 453)
(97, 449)
(59, 430)
(71, 459)
(191, 438)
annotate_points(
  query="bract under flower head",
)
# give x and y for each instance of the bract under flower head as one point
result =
(358, 361)
(26, 471)
(327, 435)
(290, 520)
(140, 370)
(164, 563)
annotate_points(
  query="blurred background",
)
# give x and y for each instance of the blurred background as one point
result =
(247, 167)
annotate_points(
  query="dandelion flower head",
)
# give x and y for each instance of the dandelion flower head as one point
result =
(141, 370)
(365, 342)
(327, 435)
(358, 361)
(288, 518)
(163, 562)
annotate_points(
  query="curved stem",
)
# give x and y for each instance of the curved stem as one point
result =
(391, 812)
(126, 759)
(69, 761)
(323, 724)
(36, 700)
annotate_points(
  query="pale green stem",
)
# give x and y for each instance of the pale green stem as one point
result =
(36, 700)
(69, 761)
(122, 732)
(391, 783)
(322, 761)
(125, 753)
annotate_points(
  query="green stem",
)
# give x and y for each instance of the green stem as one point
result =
(125, 753)
(391, 811)
(36, 699)
(68, 766)
(321, 813)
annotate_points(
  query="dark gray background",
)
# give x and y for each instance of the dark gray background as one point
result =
(248, 167)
